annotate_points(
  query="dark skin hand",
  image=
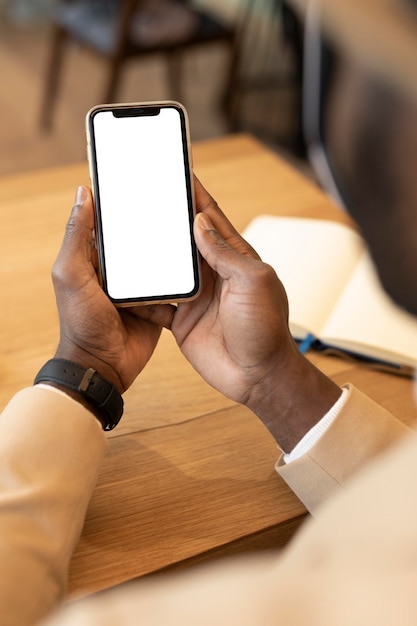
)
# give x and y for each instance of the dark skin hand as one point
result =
(94, 333)
(235, 334)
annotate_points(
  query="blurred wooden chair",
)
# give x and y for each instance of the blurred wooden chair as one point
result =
(268, 64)
(119, 30)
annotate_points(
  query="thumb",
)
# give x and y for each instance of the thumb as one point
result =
(76, 253)
(81, 221)
(219, 254)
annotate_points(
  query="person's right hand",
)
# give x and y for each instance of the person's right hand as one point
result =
(236, 332)
(236, 335)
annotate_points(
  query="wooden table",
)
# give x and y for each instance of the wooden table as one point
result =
(189, 475)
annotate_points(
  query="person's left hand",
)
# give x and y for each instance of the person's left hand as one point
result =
(93, 332)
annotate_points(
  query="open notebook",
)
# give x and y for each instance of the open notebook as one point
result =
(334, 294)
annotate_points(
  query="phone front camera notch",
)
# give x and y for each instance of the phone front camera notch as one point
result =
(137, 111)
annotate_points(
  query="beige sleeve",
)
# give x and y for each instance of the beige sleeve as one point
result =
(50, 450)
(355, 563)
(361, 431)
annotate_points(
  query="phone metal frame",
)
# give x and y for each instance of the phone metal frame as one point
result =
(93, 173)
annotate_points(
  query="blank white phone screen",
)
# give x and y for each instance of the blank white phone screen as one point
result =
(144, 208)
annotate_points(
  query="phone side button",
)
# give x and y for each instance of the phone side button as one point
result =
(89, 162)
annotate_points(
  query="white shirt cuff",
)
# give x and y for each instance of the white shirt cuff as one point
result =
(318, 430)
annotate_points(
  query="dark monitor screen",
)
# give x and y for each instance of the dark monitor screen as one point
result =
(365, 160)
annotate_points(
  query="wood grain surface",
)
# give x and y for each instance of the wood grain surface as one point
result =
(189, 475)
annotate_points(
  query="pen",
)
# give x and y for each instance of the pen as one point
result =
(306, 343)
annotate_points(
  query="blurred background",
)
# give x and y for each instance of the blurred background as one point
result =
(235, 64)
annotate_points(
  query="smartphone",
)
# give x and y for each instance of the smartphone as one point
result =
(141, 175)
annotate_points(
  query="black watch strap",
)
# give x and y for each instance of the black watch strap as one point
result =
(93, 387)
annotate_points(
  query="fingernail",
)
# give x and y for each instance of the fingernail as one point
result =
(204, 222)
(80, 195)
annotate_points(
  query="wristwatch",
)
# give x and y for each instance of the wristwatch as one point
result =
(97, 391)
